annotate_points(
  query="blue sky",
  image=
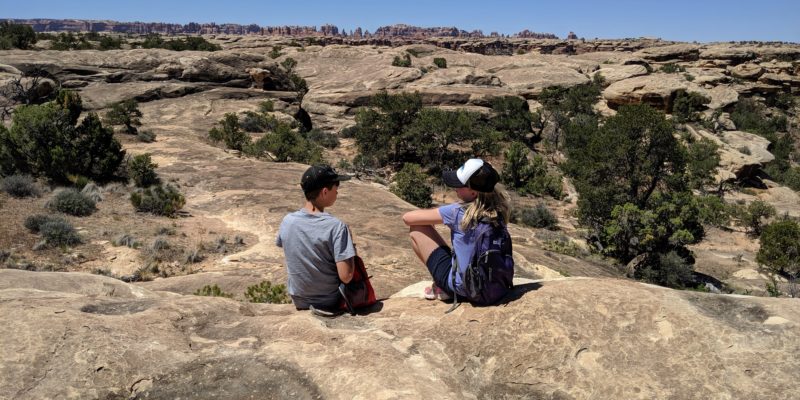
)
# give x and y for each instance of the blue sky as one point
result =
(700, 20)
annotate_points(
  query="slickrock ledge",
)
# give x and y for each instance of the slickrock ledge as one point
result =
(576, 338)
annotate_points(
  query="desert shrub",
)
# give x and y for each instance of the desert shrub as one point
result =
(194, 43)
(672, 68)
(71, 102)
(668, 269)
(529, 176)
(792, 178)
(410, 184)
(16, 35)
(72, 202)
(511, 116)
(193, 256)
(158, 200)
(275, 52)
(784, 101)
(59, 232)
(286, 145)
(93, 192)
(563, 108)
(142, 170)
(20, 186)
(110, 43)
(750, 115)
(404, 61)
(440, 62)
(396, 129)
(754, 215)
(98, 153)
(538, 217)
(780, 247)
(253, 122)
(159, 243)
(146, 136)
(325, 139)
(125, 113)
(687, 104)
(266, 106)
(212, 291)
(229, 132)
(266, 292)
(34, 222)
(702, 160)
(126, 240)
(713, 211)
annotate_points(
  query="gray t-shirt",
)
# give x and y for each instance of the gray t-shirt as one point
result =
(313, 244)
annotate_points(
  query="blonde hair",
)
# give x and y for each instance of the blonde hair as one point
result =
(492, 207)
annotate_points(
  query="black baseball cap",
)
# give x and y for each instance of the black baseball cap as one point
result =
(475, 174)
(318, 176)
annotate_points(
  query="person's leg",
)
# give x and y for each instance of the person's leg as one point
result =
(424, 240)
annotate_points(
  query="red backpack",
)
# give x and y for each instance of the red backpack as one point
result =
(358, 293)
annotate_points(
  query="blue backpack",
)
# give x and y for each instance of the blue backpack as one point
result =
(490, 273)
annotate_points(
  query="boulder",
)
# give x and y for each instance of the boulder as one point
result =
(742, 154)
(616, 73)
(658, 90)
(747, 71)
(721, 97)
(780, 79)
(733, 53)
(682, 51)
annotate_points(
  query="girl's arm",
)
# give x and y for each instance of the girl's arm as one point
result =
(428, 216)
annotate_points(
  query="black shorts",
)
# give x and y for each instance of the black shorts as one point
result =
(439, 265)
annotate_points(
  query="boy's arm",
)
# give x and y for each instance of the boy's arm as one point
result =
(345, 269)
(430, 216)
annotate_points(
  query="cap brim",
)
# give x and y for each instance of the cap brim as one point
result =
(451, 179)
(342, 178)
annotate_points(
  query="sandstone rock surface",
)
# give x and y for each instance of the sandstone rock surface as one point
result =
(563, 339)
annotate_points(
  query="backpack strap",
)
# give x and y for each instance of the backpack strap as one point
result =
(454, 270)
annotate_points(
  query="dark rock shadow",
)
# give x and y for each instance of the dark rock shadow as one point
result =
(518, 291)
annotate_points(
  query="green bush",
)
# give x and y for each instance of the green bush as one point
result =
(158, 200)
(16, 35)
(792, 178)
(440, 62)
(59, 233)
(146, 136)
(780, 247)
(40, 142)
(668, 269)
(72, 202)
(512, 117)
(142, 170)
(687, 104)
(537, 217)
(266, 106)
(212, 291)
(71, 102)
(325, 139)
(99, 154)
(35, 222)
(193, 43)
(20, 186)
(125, 113)
(110, 43)
(750, 115)
(229, 132)
(410, 184)
(275, 52)
(255, 122)
(286, 145)
(713, 211)
(530, 176)
(754, 215)
(672, 68)
(404, 61)
(702, 162)
(265, 292)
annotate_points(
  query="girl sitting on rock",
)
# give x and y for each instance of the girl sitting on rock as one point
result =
(482, 213)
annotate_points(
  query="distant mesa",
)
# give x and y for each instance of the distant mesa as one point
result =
(194, 28)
